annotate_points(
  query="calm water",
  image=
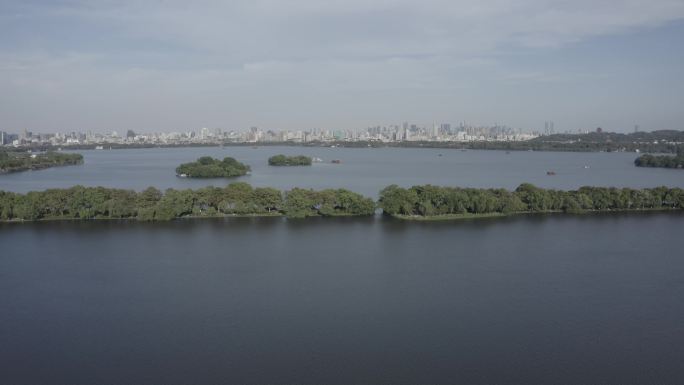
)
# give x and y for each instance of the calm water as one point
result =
(526, 300)
(362, 170)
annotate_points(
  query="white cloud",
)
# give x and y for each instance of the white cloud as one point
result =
(244, 62)
(255, 30)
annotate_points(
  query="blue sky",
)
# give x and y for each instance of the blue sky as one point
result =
(169, 65)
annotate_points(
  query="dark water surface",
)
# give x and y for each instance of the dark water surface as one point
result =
(364, 170)
(593, 299)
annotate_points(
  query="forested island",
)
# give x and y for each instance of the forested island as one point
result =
(282, 160)
(239, 199)
(664, 161)
(435, 202)
(21, 161)
(208, 167)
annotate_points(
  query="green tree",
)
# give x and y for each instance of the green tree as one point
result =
(395, 200)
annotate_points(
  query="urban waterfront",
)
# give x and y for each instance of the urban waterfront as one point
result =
(365, 171)
(532, 299)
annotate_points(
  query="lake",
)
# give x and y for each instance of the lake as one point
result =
(548, 299)
(538, 299)
(364, 170)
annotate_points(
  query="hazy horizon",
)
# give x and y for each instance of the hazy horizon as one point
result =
(303, 64)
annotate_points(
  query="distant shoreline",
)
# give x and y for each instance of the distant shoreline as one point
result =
(491, 146)
(666, 142)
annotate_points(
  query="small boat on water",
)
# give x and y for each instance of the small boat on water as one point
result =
(550, 173)
(336, 161)
(182, 175)
(317, 160)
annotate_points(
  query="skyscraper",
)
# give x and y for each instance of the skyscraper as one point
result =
(445, 128)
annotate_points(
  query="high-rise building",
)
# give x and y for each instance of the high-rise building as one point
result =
(204, 133)
(548, 127)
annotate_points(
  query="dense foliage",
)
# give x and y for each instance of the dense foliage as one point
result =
(208, 167)
(282, 160)
(14, 161)
(660, 161)
(151, 204)
(431, 200)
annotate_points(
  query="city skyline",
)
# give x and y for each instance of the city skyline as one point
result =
(405, 132)
(153, 67)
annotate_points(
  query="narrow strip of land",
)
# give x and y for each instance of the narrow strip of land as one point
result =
(425, 202)
(429, 202)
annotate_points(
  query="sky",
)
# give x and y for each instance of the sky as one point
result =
(171, 65)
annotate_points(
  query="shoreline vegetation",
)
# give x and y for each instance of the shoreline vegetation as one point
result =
(296, 160)
(18, 162)
(662, 161)
(208, 167)
(424, 203)
(237, 199)
(429, 202)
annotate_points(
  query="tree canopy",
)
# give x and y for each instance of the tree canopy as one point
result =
(208, 167)
(282, 160)
(428, 200)
(665, 161)
(14, 162)
(240, 198)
